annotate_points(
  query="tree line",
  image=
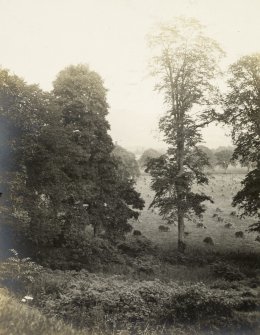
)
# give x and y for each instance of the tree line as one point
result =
(221, 157)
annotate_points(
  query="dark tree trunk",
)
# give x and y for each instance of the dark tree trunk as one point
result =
(180, 188)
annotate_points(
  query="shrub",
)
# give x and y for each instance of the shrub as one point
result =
(135, 246)
(89, 300)
(18, 274)
(94, 254)
(227, 271)
(208, 240)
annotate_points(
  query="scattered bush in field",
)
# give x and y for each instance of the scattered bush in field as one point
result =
(218, 210)
(208, 240)
(233, 213)
(220, 219)
(228, 225)
(137, 233)
(239, 234)
(201, 225)
(258, 238)
(227, 271)
(164, 228)
(215, 215)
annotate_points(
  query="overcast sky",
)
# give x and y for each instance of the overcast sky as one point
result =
(41, 37)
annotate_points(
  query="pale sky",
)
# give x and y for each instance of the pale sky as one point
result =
(40, 37)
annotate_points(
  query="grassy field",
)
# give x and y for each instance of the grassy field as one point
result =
(222, 187)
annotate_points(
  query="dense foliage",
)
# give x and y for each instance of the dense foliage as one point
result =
(223, 158)
(147, 155)
(242, 112)
(127, 158)
(62, 175)
(114, 303)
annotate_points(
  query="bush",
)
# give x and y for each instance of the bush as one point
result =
(198, 303)
(136, 246)
(18, 274)
(94, 254)
(227, 271)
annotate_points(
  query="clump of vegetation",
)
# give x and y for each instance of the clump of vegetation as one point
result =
(18, 274)
(227, 271)
(124, 303)
(136, 246)
(127, 158)
(147, 155)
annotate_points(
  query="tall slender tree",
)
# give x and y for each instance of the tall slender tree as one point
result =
(185, 65)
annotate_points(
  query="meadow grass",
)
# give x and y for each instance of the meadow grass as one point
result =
(221, 187)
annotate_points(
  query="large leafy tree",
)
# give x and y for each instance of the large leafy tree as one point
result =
(101, 185)
(242, 112)
(21, 110)
(63, 176)
(223, 158)
(185, 65)
(128, 161)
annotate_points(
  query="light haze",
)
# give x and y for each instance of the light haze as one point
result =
(39, 38)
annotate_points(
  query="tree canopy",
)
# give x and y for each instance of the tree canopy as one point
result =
(64, 176)
(185, 66)
(242, 112)
(147, 155)
(224, 157)
(127, 158)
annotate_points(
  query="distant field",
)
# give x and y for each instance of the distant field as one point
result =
(222, 187)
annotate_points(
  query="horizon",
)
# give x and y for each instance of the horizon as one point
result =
(39, 39)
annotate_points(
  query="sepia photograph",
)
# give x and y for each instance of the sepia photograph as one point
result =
(130, 167)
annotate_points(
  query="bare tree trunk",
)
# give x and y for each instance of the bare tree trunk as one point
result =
(181, 244)
(179, 119)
